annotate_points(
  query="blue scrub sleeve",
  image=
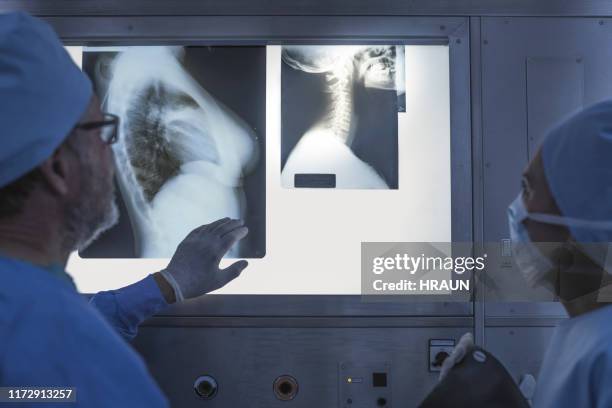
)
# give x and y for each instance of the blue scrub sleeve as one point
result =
(126, 308)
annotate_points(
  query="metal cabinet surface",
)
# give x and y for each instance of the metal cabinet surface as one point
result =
(535, 72)
(246, 361)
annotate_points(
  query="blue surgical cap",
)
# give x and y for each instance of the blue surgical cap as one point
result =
(577, 157)
(42, 94)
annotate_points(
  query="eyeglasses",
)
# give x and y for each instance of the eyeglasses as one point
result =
(109, 127)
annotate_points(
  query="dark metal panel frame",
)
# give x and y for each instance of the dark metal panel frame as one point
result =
(527, 321)
(477, 173)
(312, 7)
(258, 30)
(311, 322)
(268, 30)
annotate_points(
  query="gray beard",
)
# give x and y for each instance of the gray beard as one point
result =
(85, 222)
(107, 221)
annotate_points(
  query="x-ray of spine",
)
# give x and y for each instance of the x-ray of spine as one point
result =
(182, 156)
(352, 134)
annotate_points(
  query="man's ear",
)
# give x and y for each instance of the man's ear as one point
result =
(56, 171)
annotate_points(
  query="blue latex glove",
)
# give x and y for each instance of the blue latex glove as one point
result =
(465, 343)
(194, 268)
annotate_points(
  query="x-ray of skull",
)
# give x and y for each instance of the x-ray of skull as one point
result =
(191, 143)
(340, 109)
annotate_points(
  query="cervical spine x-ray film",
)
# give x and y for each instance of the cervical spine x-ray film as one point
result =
(339, 114)
(191, 144)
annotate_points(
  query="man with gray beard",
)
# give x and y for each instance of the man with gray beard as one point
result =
(57, 196)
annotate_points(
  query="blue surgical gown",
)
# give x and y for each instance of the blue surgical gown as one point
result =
(577, 368)
(51, 336)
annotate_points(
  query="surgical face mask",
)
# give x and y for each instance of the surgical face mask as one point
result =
(530, 259)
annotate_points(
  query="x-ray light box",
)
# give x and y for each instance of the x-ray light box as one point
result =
(318, 148)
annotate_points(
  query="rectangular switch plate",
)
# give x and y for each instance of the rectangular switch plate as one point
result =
(439, 346)
(364, 385)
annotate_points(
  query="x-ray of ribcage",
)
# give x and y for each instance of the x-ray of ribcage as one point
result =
(340, 109)
(191, 144)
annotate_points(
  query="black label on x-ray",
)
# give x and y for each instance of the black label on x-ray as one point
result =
(314, 181)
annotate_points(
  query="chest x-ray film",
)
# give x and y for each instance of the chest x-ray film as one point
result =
(340, 109)
(191, 145)
(312, 236)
